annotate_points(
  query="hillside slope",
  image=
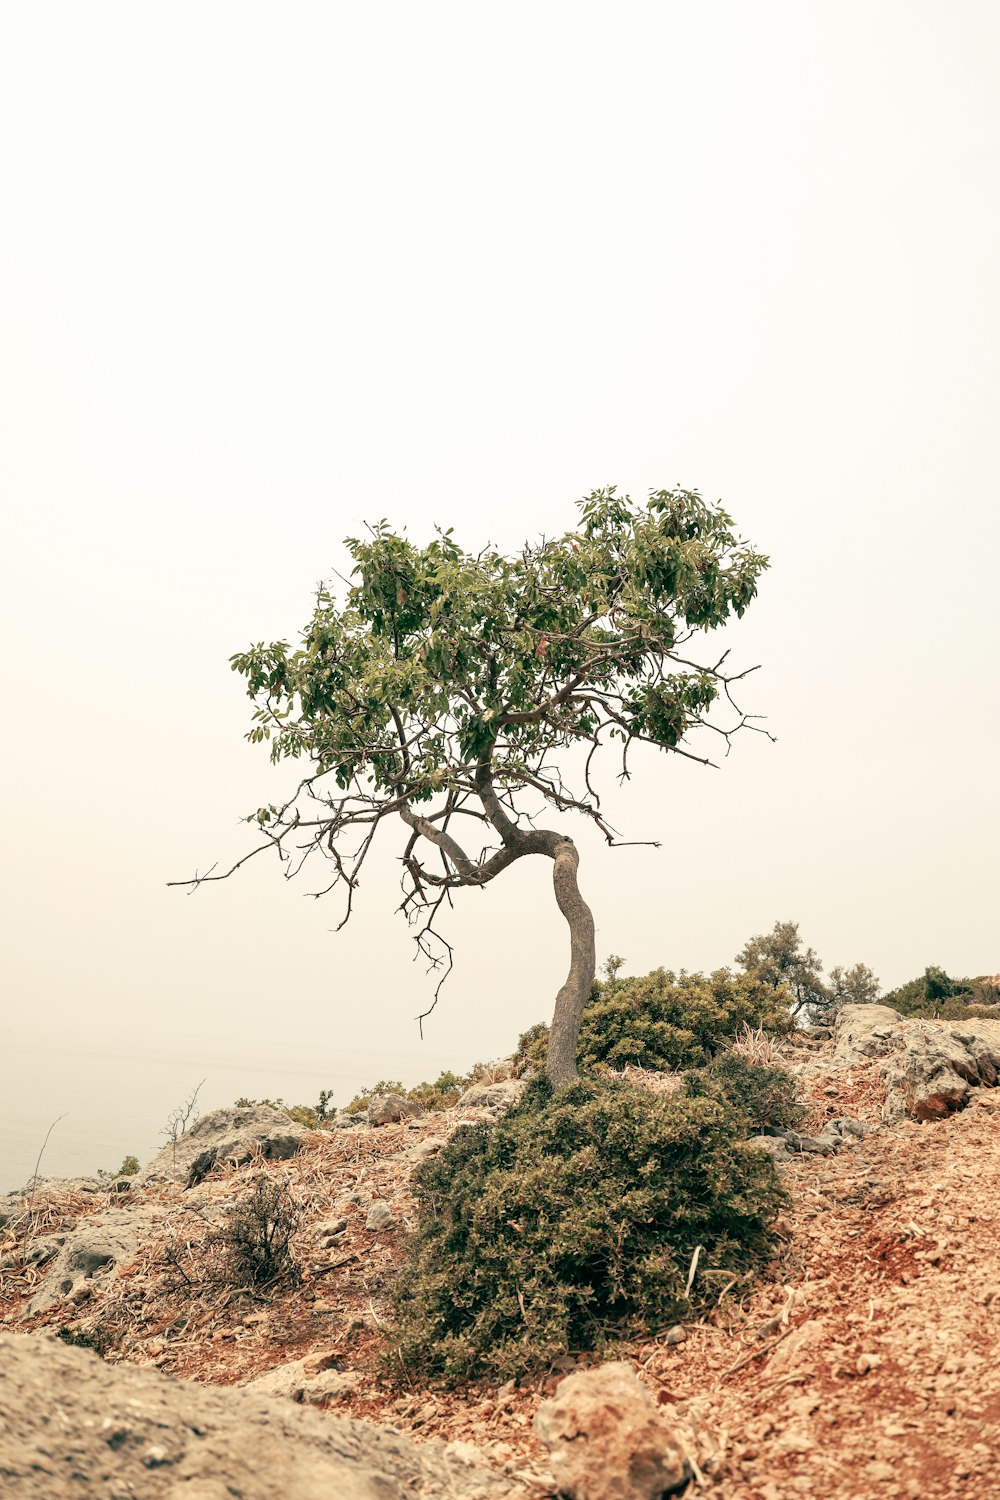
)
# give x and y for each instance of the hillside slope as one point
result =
(861, 1365)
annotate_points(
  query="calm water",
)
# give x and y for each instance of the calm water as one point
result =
(117, 1106)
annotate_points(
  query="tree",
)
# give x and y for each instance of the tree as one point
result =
(936, 994)
(448, 691)
(779, 959)
(857, 985)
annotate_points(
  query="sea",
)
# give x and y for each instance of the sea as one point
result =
(70, 1112)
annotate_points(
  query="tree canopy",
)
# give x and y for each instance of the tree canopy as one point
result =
(444, 689)
(778, 958)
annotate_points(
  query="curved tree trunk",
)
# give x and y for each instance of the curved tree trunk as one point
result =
(561, 1061)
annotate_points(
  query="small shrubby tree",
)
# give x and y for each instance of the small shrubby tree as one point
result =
(936, 994)
(778, 958)
(446, 692)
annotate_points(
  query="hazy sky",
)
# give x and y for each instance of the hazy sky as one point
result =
(269, 271)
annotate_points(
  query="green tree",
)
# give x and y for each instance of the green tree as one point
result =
(447, 692)
(780, 959)
(857, 985)
(936, 994)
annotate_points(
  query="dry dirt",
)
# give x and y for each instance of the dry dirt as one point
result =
(862, 1365)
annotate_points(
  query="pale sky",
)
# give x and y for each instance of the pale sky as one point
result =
(268, 271)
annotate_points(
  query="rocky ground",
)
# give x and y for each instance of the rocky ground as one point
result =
(862, 1364)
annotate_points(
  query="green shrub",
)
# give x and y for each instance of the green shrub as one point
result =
(759, 1095)
(664, 1021)
(936, 994)
(99, 1336)
(359, 1103)
(439, 1095)
(314, 1117)
(130, 1165)
(572, 1221)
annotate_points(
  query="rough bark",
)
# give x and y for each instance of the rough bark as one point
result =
(516, 843)
(565, 1030)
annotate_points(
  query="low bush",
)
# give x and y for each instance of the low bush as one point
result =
(256, 1236)
(436, 1096)
(441, 1094)
(937, 995)
(130, 1165)
(665, 1021)
(315, 1117)
(760, 1094)
(573, 1221)
(99, 1336)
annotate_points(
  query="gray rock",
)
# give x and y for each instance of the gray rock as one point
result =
(676, 1335)
(310, 1381)
(389, 1109)
(93, 1251)
(379, 1217)
(846, 1126)
(492, 1095)
(864, 1031)
(931, 1066)
(607, 1439)
(333, 1230)
(775, 1144)
(807, 1143)
(225, 1135)
(930, 1076)
(135, 1431)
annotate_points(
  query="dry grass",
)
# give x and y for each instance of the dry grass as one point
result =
(756, 1047)
(493, 1072)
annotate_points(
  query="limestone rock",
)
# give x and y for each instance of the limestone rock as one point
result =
(930, 1076)
(389, 1109)
(775, 1144)
(810, 1143)
(93, 1250)
(379, 1217)
(492, 1095)
(606, 1440)
(313, 1381)
(70, 1423)
(931, 1066)
(864, 1031)
(234, 1134)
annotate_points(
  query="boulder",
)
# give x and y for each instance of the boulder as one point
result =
(389, 1109)
(930, 1066)
(810, 1143)
(234, 1134)
(92, 1251)
(492, 1095)
(71, 1424)
(607, 1439)
(864, 1031)
(313, 1381)
(930, 1076)
(775, 1144)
